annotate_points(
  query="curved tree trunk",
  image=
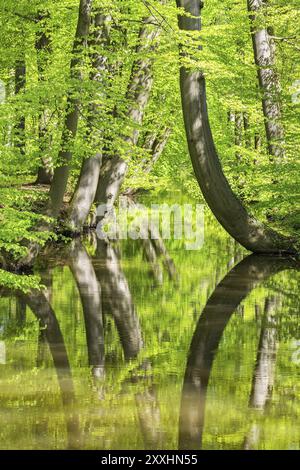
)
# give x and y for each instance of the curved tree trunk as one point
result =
(61, 173)
(217, 192)
(264, 55)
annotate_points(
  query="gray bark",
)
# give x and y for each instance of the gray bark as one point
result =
(264, 55)
(61, 173)
(85, 192)
(113, 172)
(43, 48)
(217, 192)
(20, 83)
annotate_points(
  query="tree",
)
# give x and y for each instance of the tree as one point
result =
(264, 55)
(43, 49)
(61, 173)
(229, 211)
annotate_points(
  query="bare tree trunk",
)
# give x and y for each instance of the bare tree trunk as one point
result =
(217, 192)
(114, 169)
(61, 173)
(20, 83)
(246, 130)
(85, 192)
(264, 54)
(43, 48)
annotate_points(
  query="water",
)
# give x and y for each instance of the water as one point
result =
(201, 351)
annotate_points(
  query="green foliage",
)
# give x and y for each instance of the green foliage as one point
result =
(269, 190)
(16, 281)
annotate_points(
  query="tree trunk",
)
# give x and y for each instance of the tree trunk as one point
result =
(20, 83)
(114, 169)
(61, 173)
(264, 55)
(226, 207)
(43, 48)
(85, 192)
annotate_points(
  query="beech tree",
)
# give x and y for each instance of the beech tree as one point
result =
(264, 54)
(247, 230)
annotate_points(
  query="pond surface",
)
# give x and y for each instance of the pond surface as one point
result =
(123, 350)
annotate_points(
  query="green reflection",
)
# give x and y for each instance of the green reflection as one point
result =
(107, 357)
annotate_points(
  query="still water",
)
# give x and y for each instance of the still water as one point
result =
(128, 350)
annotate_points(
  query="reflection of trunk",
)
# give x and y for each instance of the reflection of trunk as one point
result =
(20, 82)
(149, 418)
(223, 302)
(85, 192)
(151, 257)
(229, 211)
(265, 365)
(112, 175)
(264, 54)
(43, 48)
(61, 173)
(46, 316)
(263, 378)
(114, 169)
(90, 295)
(117, 300)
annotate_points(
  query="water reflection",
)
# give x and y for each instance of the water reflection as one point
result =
(144, 378)
(224, 301)
(50, 331)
